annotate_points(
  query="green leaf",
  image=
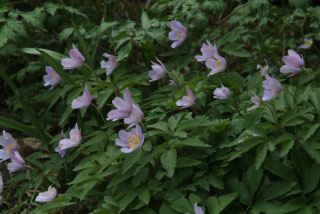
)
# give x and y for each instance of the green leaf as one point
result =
(189, 142)
(33, 19)
(235, 49)
(55, 55)
(144, 195)
(65, 34)
(181, 205)
(11, 124)
(163, 126)
(131, 159)
(217, 204)
(5, 35)
(144, 19)
(169, 161)
(124, 51)
(310, 131)
(279, 169)
(261, 155)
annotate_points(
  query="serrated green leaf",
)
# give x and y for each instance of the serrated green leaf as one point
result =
(131, 159)
(169, 161)
(217, 204)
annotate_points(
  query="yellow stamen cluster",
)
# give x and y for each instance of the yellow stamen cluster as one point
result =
(133, 141)
(53, 75)
(218, 63)
(179, 35)
(8, 148)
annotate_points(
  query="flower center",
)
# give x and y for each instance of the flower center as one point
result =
(273, 92)
(8, 148)
(53, 75)
(133, 141)
(218, 63)
(179, 35)
(308, 42)
(72, 137)
(48, 191)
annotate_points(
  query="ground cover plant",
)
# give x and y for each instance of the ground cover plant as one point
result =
(160, 107)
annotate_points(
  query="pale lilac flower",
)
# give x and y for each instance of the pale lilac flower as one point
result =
(124, 107)
(51, 78)
(217, 63)
(130, 141)
(62, 152)
(9, 146)
(126, 110)
(47, 196)
(158, 71)
(73, 141)
(272, 87)
(256, 100)
(197, 209)
(17, 162)
(293, 63)
(109, 65)
(82, 101)
(135, 117)
(208, 52)
(221, 93)
(263, 69)
(172, 83)
(75, 61)
(178, 34)
(1, 187)
(187, 100)
(307, 44)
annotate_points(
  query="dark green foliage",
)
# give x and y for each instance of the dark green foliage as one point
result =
(216, 153)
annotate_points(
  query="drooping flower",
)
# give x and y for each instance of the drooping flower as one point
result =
(109, 65)
(158, 71)
(1, 187)
(217, 63)
(16, 163)
(178, 34)
(307, 44)
(172, 83)
(9, 146)
(256, 100)
(73, 141)
(197, 209)
(221, 93)
(263, 69)
(187, 100)
(47, 196)
(293, 63)
(126, 110)
(130, 141)
(82, 101)
(51, 78)
(124, 107)
(208, 52)
(135, 117)
(272, 87)
(75, 61)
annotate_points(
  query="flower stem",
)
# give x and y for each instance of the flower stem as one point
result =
(99, 112)
(274, 117)
(29, 167)
(94, 73)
